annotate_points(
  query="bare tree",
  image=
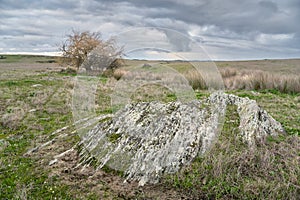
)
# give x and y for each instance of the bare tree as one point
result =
(89, 49)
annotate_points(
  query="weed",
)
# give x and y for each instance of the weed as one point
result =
(113, 137)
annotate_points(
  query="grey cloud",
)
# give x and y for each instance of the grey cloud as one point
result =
(251, 25)
(181, 43)
(269, 5)
(236, 15)
(36, 4)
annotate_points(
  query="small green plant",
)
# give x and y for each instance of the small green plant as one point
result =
(113, 137)
(109, 170)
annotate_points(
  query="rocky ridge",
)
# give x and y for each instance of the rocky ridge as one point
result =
(148, 139)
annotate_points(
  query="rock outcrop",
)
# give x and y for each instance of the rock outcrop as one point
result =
(146, 140)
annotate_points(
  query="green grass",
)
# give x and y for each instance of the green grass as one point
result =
(40, 110)
(22, 178)
(29, 114)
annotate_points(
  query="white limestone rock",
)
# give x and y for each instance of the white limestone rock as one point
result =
(147, 140)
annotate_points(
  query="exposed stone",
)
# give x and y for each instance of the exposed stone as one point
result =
(52, 162)
(32, 110)
(37, 85)
(146, 140)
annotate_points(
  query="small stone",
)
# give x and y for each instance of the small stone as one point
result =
(52, 162)
(37, 85)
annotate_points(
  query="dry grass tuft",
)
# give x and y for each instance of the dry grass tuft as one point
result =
(13, 117)
(195, 79)
(228, 72)
(118, 73)
(259, 80)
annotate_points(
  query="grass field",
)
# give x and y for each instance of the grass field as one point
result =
(281, 75)
(27, 59)
(35, 101)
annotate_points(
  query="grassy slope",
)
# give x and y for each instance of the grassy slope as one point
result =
(27, 59)
(34, 104)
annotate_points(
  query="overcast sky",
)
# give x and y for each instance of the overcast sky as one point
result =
(224, 29)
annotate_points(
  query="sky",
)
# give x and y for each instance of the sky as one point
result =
(164, 29)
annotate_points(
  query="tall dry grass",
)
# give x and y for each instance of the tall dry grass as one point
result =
(195, 79)
(235, 79)
(259, 80)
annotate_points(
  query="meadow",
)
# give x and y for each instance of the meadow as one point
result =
(36, 100)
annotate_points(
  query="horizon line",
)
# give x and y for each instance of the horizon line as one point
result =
(59, 54)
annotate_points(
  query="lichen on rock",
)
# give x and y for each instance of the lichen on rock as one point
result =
(148, 139)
